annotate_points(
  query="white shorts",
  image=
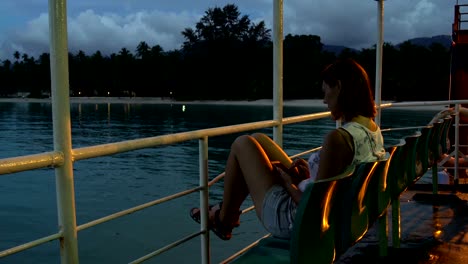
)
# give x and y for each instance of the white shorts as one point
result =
(278, 212)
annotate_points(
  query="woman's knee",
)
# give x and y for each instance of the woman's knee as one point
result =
(242, 142)
(259, 135)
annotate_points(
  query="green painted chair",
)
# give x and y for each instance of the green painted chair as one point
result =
(380, 191)
(378, 188)
(435, 151)
(409, 158)
(403, 170)
(355, 200)
(422, 151)
(447, 124)
(434, 142)
(332, 216)
(401, 174)
(313, 235)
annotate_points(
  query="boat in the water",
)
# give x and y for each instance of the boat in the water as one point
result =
(429, 216)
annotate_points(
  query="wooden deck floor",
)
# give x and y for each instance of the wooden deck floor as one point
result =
(432, 230)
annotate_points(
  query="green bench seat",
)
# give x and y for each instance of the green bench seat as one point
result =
(333, 215)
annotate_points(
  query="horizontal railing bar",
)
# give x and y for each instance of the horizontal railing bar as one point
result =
(166, 248)
(303, 118)
(137, 208)
(248, 209)
(29, 245)
(42, 160)
(31, 162)
(305, 152)
(425, 103)
(129, 145)
(216, 179)
(401, 128)
(46, 159)
(242, 251)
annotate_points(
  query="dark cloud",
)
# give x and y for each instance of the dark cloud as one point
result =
(108, 32)
(336, 22)
(411, 19)
(111, 25)
(354, 23)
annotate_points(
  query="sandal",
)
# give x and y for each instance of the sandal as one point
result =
(222, 231)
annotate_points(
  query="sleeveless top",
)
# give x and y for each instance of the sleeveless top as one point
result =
(368, 147)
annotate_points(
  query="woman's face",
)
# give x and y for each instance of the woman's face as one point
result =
(331, 96)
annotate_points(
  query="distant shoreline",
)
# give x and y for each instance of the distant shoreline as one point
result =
(159, 100)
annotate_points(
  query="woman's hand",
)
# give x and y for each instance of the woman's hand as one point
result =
(290, 179)
(298, 171)
(284, 175)
(300, 168)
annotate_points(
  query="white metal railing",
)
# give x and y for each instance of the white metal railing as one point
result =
(55, 159)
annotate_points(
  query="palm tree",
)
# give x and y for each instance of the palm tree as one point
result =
(142, 50)
(221, 40)
(16, 55)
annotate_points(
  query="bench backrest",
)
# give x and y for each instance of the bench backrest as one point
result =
(447, 124)
(402, 169)
(422, 151)
(379, 189)
(313, 235)
(434, 142)
(355, 204)
(333, 215)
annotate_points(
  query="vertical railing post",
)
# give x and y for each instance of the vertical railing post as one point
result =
(278, 70)
(378, 62)
(203, 164)
(457, 145)
(62, 130)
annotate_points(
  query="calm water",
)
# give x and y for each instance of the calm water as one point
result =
(110, 184)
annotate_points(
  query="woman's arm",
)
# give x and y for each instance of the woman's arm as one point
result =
(289, 184)
(336, 154)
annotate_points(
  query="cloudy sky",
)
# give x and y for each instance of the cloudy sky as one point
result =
(109, 25)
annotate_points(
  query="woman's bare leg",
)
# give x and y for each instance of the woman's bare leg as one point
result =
(248, 171)
(273, 151)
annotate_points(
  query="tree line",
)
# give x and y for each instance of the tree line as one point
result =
(228, 57)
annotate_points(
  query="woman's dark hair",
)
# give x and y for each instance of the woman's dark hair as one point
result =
(355, 97)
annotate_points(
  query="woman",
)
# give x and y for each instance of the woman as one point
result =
(259, 167)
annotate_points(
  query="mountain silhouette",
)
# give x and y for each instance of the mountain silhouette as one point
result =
(445, 40)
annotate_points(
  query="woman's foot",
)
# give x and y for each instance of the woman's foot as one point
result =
(214, 222)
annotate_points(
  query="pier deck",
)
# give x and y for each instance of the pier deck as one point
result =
(432, 230)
